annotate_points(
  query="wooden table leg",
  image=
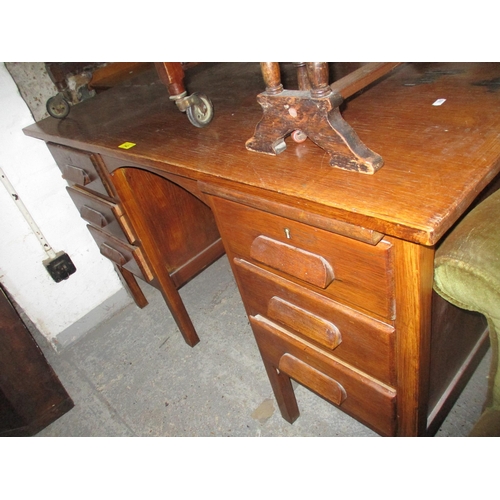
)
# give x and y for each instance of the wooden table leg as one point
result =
(177, 308)
(283, 392)
(172, 76)
(313, 112)
(132, 286)
(414, 265)
(135, 191)
(198, 107)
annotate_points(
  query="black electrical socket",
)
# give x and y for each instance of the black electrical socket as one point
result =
(60, 267)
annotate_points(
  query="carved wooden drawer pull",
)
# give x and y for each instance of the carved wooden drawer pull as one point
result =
(112, 254)
(312, 378)
(93, 216)
(75, 174)
(294, 261)
(304, 322)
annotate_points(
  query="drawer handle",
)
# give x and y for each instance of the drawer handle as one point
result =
(112, 254)
(294, 261)
(76, 175)
(93, 216)
(312, 378)
(304, 322)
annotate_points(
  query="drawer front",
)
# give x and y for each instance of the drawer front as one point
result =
(102, 213)
(78, 168)
(338, 267)
(127, 256)
(358, 395)
(350, 336)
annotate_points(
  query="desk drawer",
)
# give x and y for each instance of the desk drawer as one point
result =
(102, 213)
(355, 393)
(350, 336)
(79, 168)
(338, 267)
(127, 256)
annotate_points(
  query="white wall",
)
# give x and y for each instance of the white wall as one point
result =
(61, 311)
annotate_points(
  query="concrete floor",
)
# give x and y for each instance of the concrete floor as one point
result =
(135, 376)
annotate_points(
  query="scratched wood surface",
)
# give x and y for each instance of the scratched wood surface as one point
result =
(437, 158)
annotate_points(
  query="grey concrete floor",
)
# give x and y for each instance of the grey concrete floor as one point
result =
(135, 376)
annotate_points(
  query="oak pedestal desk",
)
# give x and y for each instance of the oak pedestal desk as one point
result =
(335, 268)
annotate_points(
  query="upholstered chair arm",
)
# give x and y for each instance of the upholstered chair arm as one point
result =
(467, 274)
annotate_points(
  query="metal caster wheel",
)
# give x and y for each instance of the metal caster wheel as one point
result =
(200, 114)
(299, 136)
(58, 107)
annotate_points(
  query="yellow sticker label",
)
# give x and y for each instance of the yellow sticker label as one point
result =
(127, 145)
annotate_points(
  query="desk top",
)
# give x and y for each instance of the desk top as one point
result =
(437, 158)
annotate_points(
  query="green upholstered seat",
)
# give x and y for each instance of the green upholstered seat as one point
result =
(467, 274)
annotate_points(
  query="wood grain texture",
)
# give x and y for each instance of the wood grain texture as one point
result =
(83, 169)
(130, 257)
(328, 387)
(436, 158)
(244, 196)
(414, 266)
(301, 264)
(367, 344)
(364, 279)
(177, 232)
(303, 321)
(437, 127)
(102, 213)
(131, 285)
(369, 401)
(31, 395)
(361, 78)
(172, 76)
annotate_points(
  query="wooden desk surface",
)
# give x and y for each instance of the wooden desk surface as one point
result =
(437, 158)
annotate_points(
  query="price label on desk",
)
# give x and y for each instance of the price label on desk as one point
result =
(127, 145)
